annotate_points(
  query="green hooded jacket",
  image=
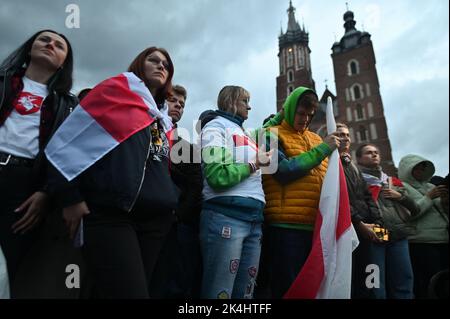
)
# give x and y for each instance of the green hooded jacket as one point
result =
(431, 223)
(290, 105)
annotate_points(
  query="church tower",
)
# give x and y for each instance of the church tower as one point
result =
(294, 59)
(358, 91)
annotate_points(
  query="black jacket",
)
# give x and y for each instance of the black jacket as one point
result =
(58, 106)
(117, 179)
(187, 175)
(362, 207)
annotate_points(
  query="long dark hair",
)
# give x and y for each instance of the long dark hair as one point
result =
(137, 67)
(61, 81)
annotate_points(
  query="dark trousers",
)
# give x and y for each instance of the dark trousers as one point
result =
(262, 289)
(121, 251)
(289, 249)
(178, 272)
(427, 260)
(15, 188)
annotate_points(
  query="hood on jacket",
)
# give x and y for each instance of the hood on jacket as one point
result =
(209, 115)
(204, 118)
(290, 105)
(406, 165)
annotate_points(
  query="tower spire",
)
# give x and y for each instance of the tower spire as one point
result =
(292, 23)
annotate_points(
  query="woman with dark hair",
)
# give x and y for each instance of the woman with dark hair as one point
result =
(112, 175)
(35, 81)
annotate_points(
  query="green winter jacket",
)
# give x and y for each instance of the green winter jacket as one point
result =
(431, 223)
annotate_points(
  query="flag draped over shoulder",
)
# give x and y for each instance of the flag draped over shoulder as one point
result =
(326, 273)
(112, 112)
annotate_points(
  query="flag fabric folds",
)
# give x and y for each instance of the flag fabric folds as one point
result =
(326, 273)
(112, 112)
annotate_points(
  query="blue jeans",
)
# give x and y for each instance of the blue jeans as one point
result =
(230, 251)
(395, 271)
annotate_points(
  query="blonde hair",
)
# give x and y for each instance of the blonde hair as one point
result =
(228, 98)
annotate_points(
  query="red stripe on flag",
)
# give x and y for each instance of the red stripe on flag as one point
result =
(243, 141)
(308, 281)
(396, 182)
(344, 218)
(116, 108)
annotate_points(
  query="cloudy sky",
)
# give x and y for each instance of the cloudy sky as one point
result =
(219, 42)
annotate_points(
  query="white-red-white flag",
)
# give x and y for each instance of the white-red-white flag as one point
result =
(113, 111)
(326, 273)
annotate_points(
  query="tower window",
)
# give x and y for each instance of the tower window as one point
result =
(362, 133)
(290, 57)
(356, 92)
(290, 89)
(290, 76)
(353, 67)
(301, 57)
(359, 112)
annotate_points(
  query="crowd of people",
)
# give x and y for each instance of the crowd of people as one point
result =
(105, 182)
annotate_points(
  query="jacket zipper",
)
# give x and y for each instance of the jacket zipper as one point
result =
(143, 175)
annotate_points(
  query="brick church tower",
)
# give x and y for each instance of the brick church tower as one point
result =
(294, 59)
(358, 91)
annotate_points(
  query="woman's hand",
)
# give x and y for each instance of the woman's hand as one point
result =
(391, 194)
(438, 191)
(34, 207)
(366, 231)
(263, 159)
(72, 216)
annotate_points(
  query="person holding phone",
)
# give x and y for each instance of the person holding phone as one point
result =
(429, 244)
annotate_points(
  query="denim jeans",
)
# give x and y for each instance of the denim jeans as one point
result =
(230, 249)
(395, 271)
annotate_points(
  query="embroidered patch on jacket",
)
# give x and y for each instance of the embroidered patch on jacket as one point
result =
(252, 271)
(223, 295)
(234, 265)
(226, 232)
